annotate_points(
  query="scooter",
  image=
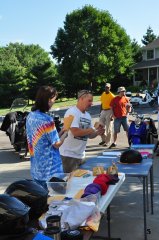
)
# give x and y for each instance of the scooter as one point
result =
(149, 98)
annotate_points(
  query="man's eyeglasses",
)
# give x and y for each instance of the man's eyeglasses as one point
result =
(83, 92)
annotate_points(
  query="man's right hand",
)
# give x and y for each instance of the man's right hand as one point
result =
(100, 131)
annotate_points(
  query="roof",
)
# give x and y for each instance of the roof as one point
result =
(152, 45)
(146, 64)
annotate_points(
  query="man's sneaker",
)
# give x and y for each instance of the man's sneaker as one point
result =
(102, 143)
(113, 145)
(105, 145)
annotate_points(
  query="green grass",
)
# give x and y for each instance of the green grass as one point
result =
(60, 103)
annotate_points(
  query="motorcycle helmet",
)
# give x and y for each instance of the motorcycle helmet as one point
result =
(30, 193)
(131, 156)
(13, 216)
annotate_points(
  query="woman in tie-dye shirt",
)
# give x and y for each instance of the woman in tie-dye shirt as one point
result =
(42, 137)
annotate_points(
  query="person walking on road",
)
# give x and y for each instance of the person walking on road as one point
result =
(73, 149)
(121, 107)
(106, 114)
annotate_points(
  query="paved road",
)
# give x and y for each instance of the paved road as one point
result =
(13, 168)
(95, 109)
(126, 208)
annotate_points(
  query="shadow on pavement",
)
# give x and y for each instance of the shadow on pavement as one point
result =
(9, 157)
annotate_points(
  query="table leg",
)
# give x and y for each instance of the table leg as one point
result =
(108, 219)
(109, 234)
(151, 178)
(147, 195)
(151, 188)
(144, 208)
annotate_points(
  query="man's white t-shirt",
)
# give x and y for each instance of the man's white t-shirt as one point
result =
(75, 146)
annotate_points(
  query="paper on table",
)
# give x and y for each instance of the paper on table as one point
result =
(106, 156)
(55, 198)
(79, 172)
(93, 221)
(79, 194)
(112, 153)
(67, 121)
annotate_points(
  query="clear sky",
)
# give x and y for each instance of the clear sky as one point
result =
(37, 21)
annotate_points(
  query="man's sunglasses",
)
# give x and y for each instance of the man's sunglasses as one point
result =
(83, 92)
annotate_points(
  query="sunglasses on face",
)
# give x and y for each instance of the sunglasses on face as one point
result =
(83, 92)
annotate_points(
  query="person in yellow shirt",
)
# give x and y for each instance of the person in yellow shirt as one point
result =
(106, 114)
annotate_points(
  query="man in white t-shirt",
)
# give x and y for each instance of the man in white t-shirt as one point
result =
(73, 149)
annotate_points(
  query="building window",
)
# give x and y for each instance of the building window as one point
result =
(150, 54)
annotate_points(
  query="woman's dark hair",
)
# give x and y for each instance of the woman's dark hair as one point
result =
(43, 95)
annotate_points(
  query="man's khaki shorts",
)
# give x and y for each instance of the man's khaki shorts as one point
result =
(70, 164)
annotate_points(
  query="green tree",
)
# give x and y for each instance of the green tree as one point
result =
(32, 57)
(149, 36)
(22, 68)
(136, 51)
(91, 49)
(43, 74)
(10, 75)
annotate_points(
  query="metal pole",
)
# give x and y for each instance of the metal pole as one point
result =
(158, 116)
(148, 77)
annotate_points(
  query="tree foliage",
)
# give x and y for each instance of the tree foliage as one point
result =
(22, 69)
(148, 37)
(91, 49)
(42, 74)
(136, 51)
(10, 75)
